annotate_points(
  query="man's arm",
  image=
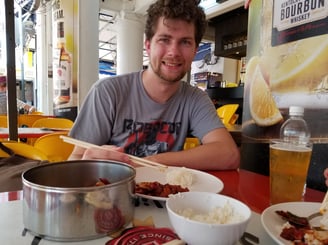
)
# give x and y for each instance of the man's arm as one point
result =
(247, 3)
(217, 152)
(106, 153)
(77, 153)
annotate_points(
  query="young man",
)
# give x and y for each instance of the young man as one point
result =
(151, 112)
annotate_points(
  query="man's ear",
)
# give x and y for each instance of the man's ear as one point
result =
(147, 46)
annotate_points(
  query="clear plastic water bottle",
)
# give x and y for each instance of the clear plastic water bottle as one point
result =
(295, 129)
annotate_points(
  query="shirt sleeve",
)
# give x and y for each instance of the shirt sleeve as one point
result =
(204, 117)
(94, 121)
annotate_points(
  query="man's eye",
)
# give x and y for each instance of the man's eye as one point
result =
(164, 40)
(187, 42)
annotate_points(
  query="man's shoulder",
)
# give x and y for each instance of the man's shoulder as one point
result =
(118, 79)
(189, 89)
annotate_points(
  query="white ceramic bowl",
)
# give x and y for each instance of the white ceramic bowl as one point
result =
(200, 233)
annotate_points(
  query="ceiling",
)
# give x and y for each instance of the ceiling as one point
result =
(107, 35)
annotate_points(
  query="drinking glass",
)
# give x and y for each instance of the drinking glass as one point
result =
(289, 164)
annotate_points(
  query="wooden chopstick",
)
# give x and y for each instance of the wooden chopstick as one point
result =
(137, 160)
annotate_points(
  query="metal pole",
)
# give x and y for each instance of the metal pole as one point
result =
(11, 70)
(22, 42)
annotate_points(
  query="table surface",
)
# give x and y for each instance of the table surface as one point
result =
(254, 189)
(248, 187)
(30, 132)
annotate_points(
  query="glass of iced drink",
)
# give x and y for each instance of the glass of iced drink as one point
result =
(289, 164)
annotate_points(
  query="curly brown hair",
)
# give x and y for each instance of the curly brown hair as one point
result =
(187, 10)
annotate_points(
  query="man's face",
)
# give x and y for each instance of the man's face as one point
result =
(172, 49)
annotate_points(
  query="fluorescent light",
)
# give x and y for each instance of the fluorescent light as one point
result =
(207, 4)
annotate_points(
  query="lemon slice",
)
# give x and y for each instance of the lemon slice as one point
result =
(296, 66)
(262, 105)
(250, 68)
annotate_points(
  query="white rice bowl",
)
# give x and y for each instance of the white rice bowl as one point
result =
(207, 218)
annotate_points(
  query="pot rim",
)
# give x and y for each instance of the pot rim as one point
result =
(74, 189)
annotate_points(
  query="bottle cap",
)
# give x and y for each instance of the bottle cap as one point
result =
(296, 111)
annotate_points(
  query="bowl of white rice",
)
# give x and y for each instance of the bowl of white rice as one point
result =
(207, 218)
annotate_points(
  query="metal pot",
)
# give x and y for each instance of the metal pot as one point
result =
(62, 203)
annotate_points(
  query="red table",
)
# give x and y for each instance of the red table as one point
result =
(254, 189)
(248, 187)
(251, 188)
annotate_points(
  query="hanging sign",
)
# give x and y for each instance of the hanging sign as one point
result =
(297, 19)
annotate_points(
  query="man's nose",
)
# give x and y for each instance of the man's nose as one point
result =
(174, 49)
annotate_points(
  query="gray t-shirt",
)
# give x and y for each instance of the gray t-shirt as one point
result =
(118, 111)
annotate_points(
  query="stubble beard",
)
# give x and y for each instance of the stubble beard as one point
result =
(168, 79)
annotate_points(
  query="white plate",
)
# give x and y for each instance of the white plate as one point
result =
(203, 181)
(272, 222)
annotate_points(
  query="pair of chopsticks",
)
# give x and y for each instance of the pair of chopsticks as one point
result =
(137, 160)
